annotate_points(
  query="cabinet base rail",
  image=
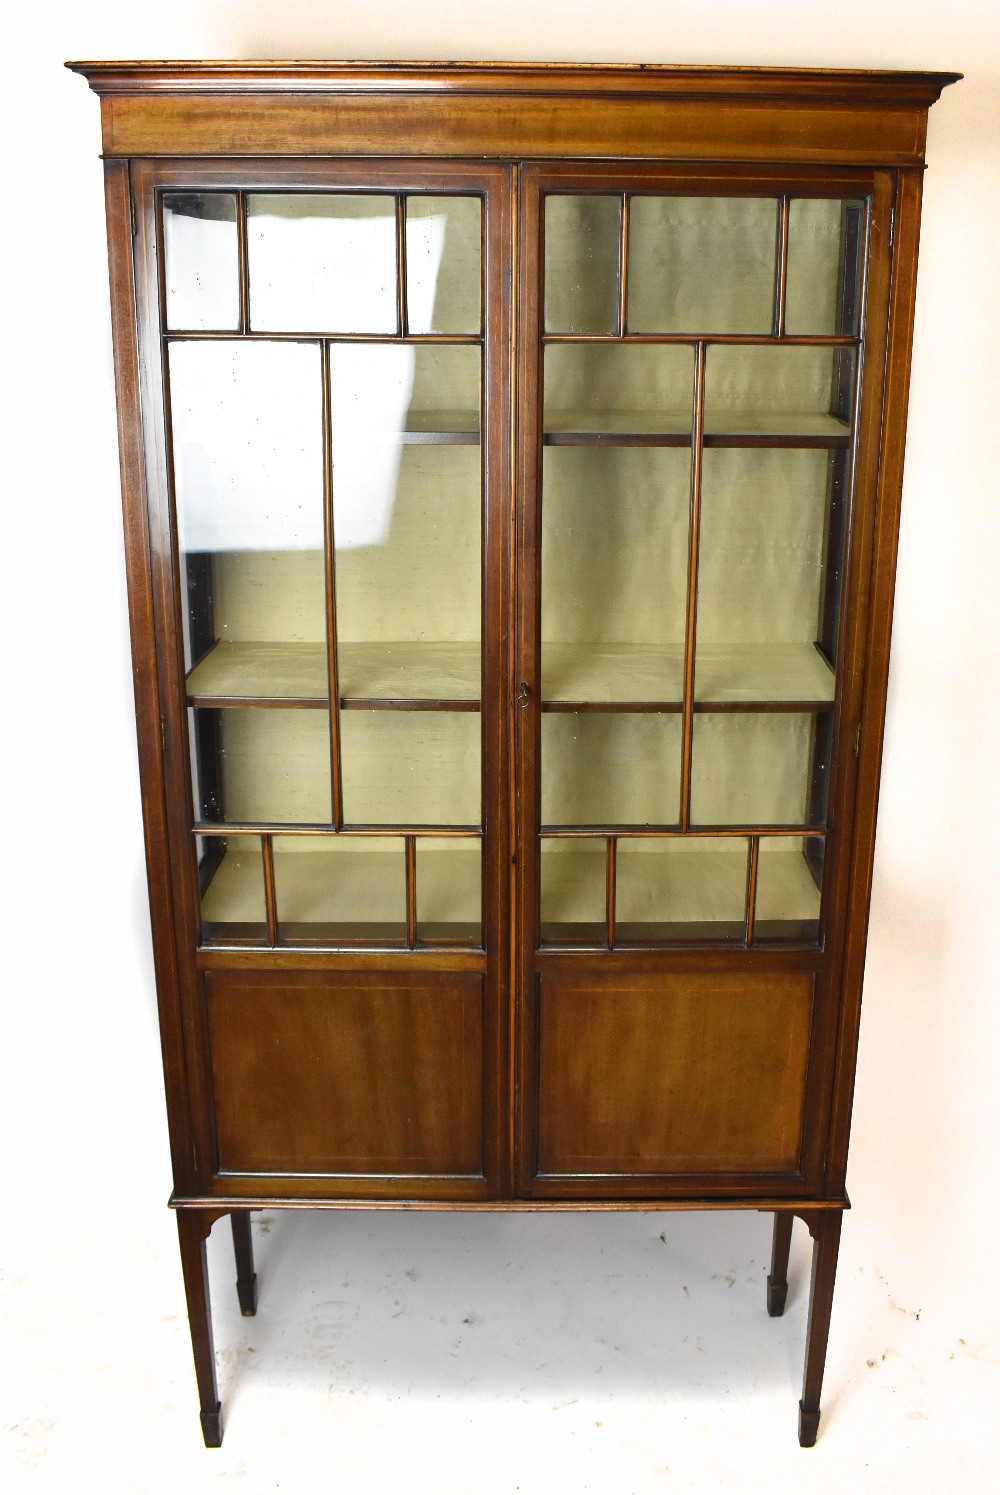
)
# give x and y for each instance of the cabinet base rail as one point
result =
(823, 1219)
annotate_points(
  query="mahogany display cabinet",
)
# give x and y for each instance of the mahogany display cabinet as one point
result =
(511, 460)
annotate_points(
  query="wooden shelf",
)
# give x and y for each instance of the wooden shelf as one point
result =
(396, 672)
(629, 676)
(694, 886)
(673, 428)
(451, 427)
(401, 675)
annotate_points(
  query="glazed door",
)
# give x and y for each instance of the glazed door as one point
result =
(691, 376)
(327, 346)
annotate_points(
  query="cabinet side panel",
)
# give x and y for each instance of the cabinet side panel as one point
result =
(144, 669)
(690, 1074)
(347, 1074)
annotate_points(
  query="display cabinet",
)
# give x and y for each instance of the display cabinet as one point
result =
(511, 461)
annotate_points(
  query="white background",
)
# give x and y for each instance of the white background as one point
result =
(489, 1354)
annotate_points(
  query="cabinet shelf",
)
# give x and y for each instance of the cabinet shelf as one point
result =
(674, 893)
(630, 677)
(399, 675)
(794, 428)
(315, 904)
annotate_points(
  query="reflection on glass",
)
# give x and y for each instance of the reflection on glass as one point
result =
(603, 768)
(573, 891)
(443, 275)
(777, 391)
(247, 441)
(760, 768)
(763, 575)
(411, 767)
(614, 572)
(201, 266)
(262, 767)
(685, 889)
(617, 388)
(789, 883)
(322, 262)
(345, 888)
(701, 264)
(231, 878)
(449, 890)
(824, 267)
(581, 263)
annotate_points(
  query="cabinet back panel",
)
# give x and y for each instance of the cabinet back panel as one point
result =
(685, 1074)
(321, 1073)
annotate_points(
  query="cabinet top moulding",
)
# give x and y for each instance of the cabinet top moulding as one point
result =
(514, 110)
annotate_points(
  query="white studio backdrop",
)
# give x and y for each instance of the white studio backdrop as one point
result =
(98, 1393)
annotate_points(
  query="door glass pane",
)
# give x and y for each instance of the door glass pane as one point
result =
(449, 872)
(701, 264)
(768, 575)
(340, 888)
(581, 263)
(792, 392)
(262, 767)
(610, 768)
(322, 262)
(618, 389)
(443, 254)
(760, 768)
(200, 256)
(248, 484)
(574, 891)
(672, 891)
(614, 573)
(411, 767)
(231, 878)
(789, 884)
(825, 243)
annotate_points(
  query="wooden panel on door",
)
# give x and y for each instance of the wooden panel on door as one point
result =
(674, 1074)
(354, 1073)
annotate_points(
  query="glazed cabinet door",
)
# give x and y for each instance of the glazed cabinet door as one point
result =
(694, 395)
(326, 376)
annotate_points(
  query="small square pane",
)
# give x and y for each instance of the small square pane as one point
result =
(760, 768)
(201, 261)
(264, 767)
(617, 389)
(574, 891)
(449, 890)
(411, 767)
(789, 886)
(322, 262)
(676, 890)
(610, 768)
(825, 253)
(231, 878)
(581, 263)
(344, 888)
(701, 264)
(394, 394)
(443, 264)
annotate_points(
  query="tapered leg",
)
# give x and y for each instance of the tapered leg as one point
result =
(777, 1281)
(246, 1277)
(193, 1228)
(825, 1228)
